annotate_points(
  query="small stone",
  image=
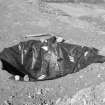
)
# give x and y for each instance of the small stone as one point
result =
(26, 78)
(17, 77)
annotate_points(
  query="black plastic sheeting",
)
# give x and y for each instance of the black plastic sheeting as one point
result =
(54, 59)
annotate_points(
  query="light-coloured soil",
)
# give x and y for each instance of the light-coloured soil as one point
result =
(79, 23)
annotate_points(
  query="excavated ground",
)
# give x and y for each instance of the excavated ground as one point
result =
(79, 23)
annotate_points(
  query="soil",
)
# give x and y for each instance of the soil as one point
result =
(79, 23)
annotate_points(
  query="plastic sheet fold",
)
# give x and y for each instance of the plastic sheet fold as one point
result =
(50, 58)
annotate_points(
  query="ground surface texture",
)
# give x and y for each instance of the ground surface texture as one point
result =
(81, 23)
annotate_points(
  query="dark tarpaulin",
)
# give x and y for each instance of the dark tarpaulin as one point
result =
(55, 59)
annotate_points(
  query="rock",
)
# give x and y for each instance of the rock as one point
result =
(26, 78)
(17, 77)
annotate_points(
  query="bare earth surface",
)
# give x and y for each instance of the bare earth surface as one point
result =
(82, 24)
